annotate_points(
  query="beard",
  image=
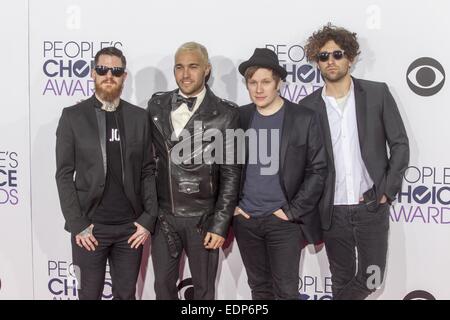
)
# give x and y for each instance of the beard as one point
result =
(110, 93)
(337, 76)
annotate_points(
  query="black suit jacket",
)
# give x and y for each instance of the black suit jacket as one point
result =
(302, 165)
(379, 122)
(81, 162)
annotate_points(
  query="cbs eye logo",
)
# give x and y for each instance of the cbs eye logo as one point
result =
(425, 76)
(186, 289)
(419, 295)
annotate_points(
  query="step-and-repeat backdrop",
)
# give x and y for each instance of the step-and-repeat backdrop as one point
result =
(47, 54)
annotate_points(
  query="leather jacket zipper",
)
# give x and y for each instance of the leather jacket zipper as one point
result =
(168, 164)
(211, 171)
(170, 176)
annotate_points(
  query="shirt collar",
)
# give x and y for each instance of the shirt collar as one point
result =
(324, 90)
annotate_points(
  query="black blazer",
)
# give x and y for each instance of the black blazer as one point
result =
(81, 162)
(302, 165)
(379, 122)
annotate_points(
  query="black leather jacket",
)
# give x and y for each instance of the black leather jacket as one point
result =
(195, 189)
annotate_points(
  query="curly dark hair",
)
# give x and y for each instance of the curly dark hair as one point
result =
(343, 38)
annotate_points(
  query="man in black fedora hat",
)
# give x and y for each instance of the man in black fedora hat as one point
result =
(275, 214)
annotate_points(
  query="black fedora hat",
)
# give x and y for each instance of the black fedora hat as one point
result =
(266, 58)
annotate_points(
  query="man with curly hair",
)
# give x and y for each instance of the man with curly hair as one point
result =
(358, 119)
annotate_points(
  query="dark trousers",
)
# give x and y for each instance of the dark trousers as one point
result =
(124, 263)
(270, 249)
(203, 262)
(356, 246)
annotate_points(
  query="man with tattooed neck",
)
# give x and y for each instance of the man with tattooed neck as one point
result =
(106, 183)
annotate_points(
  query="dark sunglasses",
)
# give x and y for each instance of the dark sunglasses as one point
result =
(324, 56)
(115, 71)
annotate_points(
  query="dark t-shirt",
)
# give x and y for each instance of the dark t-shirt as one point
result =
(262, 194)
(114, 208)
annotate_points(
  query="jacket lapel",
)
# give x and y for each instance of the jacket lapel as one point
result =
(206, 108)
(247, 117)
(288, 125)
(322, 111)
(100, 125)
(161, 119)
(361, 111)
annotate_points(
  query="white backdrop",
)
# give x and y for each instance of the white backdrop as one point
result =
(48, 49)
(16, 277)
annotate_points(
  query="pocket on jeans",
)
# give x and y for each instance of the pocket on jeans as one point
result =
(384, 206)
(282, 220)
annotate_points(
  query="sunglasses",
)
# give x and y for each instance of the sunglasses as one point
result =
(324, 56)
(115, 71)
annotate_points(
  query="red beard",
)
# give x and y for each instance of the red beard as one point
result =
(110, 93)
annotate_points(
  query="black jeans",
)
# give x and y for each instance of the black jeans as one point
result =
(124, 263)
(203, 262)
(270, 249)
(356, 246)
